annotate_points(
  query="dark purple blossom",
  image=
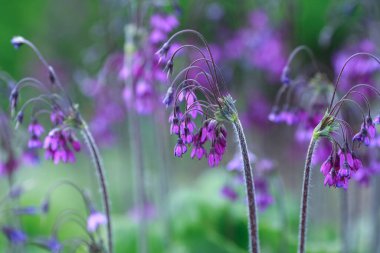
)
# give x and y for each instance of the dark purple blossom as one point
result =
(51, 244)
(15, 236)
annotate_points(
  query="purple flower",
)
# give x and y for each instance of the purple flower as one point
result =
(264, 198)
(229, 193)
(339, 168)
(367, 132)
(180, 148)
(15, 236)
(95, 220)
(51, 244)
(59, 146)
(57, 116)
(237, 161)
(359, 70)
(35, 131)
(9, 167)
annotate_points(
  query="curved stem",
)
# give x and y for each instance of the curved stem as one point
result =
(305, 196)
(250, 190)
(102, 181)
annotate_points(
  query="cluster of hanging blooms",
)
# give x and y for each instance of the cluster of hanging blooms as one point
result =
(301, 102)
(200, 104)
(344, 161)
(60, 143)
(141, 71)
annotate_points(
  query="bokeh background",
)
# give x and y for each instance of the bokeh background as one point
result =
(186, 206)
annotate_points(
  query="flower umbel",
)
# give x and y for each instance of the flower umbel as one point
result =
(199, 109)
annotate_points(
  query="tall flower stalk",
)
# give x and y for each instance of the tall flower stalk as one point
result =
(197, 95)
(343, 161)
(61, 141)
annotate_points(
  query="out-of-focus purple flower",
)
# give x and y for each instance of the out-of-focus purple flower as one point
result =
(51, 244)
(57, 116)
(147, 211)
(237, 161)
(358, 70)
(30, 157)
(35, 131)
(15, 236)
(161, 26)
(260, 44)
(28, 210)
(264, 198)
(95, 220)
(229, 193)
(257, 111)
(9, 166)
(367, 132)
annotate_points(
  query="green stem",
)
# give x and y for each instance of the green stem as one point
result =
(102, 180)
(250, 190)
(305, 197)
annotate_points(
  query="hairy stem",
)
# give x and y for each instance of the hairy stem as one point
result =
(375, 247)
(102, 180)
(344, 223)
(250, 190)
(305, 197)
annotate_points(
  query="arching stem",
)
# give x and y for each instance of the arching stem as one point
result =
(250, 190)
(101, 178)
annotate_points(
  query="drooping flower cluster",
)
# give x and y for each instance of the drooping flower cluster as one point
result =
(302, 103)
(61, 141)
(340, 167)
(184, 94)
(199, 109)
(344, 163)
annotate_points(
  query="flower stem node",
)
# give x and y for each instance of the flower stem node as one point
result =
(227, 109)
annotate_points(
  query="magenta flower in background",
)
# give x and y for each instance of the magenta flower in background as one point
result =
(229, 193)
(95, 220)
(143, 74)
(35, 131)
(147, 211)
(260, 44)
(360, 69)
